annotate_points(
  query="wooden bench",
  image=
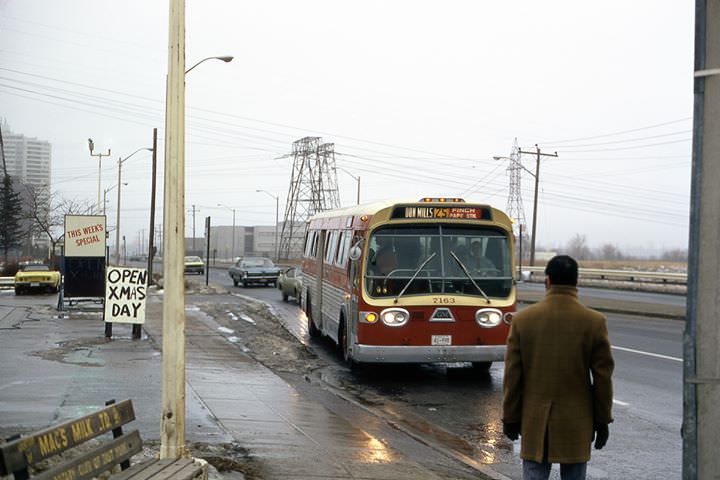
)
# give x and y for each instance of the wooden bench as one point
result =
(19, 456)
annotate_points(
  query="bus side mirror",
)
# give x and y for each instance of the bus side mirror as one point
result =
(355, 252)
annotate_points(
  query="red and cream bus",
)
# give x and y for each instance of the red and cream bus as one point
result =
(411, 282)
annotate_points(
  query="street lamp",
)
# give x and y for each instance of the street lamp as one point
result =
(226, 59)
(91, 146)
(233, 229)
(105, 192)
(277, 213)
(117, 219)
(357, 179)
(172, 422)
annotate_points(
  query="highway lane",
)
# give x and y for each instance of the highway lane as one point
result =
(645, 440)
(612, 294)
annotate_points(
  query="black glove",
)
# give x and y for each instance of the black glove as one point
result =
(511, 430)
(601, 432)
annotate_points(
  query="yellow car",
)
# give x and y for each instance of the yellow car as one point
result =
(36, 277)
(194, 264)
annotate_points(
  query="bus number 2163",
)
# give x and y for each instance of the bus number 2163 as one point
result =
(443, 300)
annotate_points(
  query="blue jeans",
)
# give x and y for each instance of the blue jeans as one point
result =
(541, 471)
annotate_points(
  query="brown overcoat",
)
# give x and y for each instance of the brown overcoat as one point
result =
(553, 348)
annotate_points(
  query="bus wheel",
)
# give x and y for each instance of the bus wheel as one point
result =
(482, 367)
(345, 347)
(313, 331)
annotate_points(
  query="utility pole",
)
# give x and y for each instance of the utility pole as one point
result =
(91, 145)
(193, 238)
(172, 424)
(701, 372)
(2, 152)
(151, 239)
(535, 201)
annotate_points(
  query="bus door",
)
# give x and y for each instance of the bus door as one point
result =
(354, 265)
(317, 296)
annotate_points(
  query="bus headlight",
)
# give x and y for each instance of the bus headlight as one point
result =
(488, 317)
(394, 317)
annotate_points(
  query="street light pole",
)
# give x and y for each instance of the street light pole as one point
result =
(357, 179)
(117, 217)
(172, 424)
(277, 214)
(91, 145)
(232, 258)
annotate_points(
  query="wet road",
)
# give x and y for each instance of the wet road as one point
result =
(456, 407)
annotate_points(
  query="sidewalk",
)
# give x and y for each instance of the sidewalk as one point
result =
(56, 367)
(288, 434)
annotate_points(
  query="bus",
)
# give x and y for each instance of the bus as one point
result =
(427, 281)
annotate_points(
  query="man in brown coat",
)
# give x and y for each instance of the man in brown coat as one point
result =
(558, 387)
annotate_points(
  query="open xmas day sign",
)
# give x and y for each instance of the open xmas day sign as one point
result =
(125, 294)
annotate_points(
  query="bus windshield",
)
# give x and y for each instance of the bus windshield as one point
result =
(465, 259)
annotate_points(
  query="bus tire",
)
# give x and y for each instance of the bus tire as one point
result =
(345, 347)
(313, 331)
(482, 367)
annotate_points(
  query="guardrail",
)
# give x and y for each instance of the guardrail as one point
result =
(632, 275)
(7, 282)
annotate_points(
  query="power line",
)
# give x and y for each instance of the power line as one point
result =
(621, 132)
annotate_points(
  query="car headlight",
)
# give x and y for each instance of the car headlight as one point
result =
(488, 317)
(394, 317)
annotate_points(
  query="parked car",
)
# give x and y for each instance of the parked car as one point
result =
(194, 264)
(290, 283)
(36, 277)
(258, 270)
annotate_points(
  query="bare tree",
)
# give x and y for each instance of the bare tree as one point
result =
(577, 247)
(46, 211)
(609, 251)
(675, 255)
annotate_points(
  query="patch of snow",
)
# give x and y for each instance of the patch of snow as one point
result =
(225, 330)
(192, 308)
(232, 316)
(233, 339)
(247, 319)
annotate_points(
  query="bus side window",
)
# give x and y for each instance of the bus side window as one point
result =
(330, 246)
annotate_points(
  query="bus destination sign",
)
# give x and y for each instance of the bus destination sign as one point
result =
(449, 213)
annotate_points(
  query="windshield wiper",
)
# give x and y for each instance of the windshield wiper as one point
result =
(419, 269)
(465, 270)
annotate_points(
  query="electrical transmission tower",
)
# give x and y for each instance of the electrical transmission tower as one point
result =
(313, 189)
(515, 209)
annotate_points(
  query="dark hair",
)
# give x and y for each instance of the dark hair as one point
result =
(562, 270)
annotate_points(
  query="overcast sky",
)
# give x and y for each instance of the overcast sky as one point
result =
(417, 97)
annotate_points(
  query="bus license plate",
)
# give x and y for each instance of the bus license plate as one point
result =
(441, 340)
(34, 284)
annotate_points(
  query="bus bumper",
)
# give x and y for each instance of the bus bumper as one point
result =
(427, 354)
